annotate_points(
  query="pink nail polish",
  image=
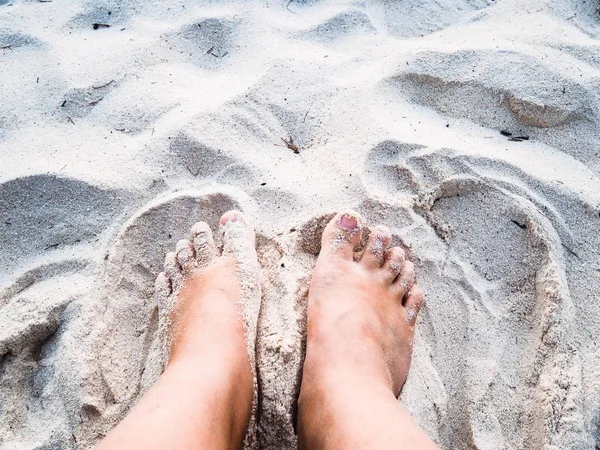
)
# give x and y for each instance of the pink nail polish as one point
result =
(348, 222)
(234, 218)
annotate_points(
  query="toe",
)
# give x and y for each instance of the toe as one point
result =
(237, 236)
(204, 244)
(173, 271)
(413, 301)
(342, 235)
(185, 254)
(406, 279)
(162, 287)
(162, 292)
(379, 240)
(394, 262)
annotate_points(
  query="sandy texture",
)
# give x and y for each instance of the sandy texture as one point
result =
(115, 140)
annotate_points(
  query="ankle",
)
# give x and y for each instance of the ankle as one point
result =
(341, 364)
(326, 402)
(224, 384)
(331, 386)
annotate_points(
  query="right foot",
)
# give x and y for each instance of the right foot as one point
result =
(361, 318)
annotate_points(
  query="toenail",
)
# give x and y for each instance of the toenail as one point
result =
(232, 218)
(347, 222)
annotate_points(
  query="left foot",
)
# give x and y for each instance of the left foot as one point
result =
(209, 303)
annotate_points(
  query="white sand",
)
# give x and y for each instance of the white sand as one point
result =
(114, 141)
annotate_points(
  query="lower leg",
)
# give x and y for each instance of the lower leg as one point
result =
(347, 412)
(361, 317)
(192, 405)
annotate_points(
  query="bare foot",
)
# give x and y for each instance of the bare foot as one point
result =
(209, 304)
(361, 318)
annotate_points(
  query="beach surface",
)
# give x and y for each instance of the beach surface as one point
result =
(471, 128)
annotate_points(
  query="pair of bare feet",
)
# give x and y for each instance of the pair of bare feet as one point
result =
(361, 316)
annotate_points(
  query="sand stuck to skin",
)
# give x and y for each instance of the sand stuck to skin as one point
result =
(115, 139)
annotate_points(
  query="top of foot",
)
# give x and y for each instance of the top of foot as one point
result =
(361, 312)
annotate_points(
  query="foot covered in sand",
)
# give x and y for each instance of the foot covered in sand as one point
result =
(209, 302)
(361, 316)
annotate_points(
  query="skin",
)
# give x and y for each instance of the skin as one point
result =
(203, 398)
(361, 317)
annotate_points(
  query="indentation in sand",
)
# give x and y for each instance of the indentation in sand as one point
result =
(43, 213)
(207, 42)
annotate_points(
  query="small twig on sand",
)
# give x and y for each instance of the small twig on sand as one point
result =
(190, 171)
(95, 26)
(4, 47)
(210, 52)
(103, 85)
(288, 7)
(94, 103)
(520, 225)
(290, 144)
(70, 120)
(571, 251)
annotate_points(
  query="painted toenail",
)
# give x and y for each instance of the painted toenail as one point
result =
(234, 217)
(347, 222)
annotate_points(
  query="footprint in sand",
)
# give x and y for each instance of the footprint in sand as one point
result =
(45, 213)
(47, 305)
(500, 90)
(510, 296)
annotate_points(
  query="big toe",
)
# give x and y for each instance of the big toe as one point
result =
(342, 235)
(237, 235)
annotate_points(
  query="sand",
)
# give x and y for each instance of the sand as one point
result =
(115, 140)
